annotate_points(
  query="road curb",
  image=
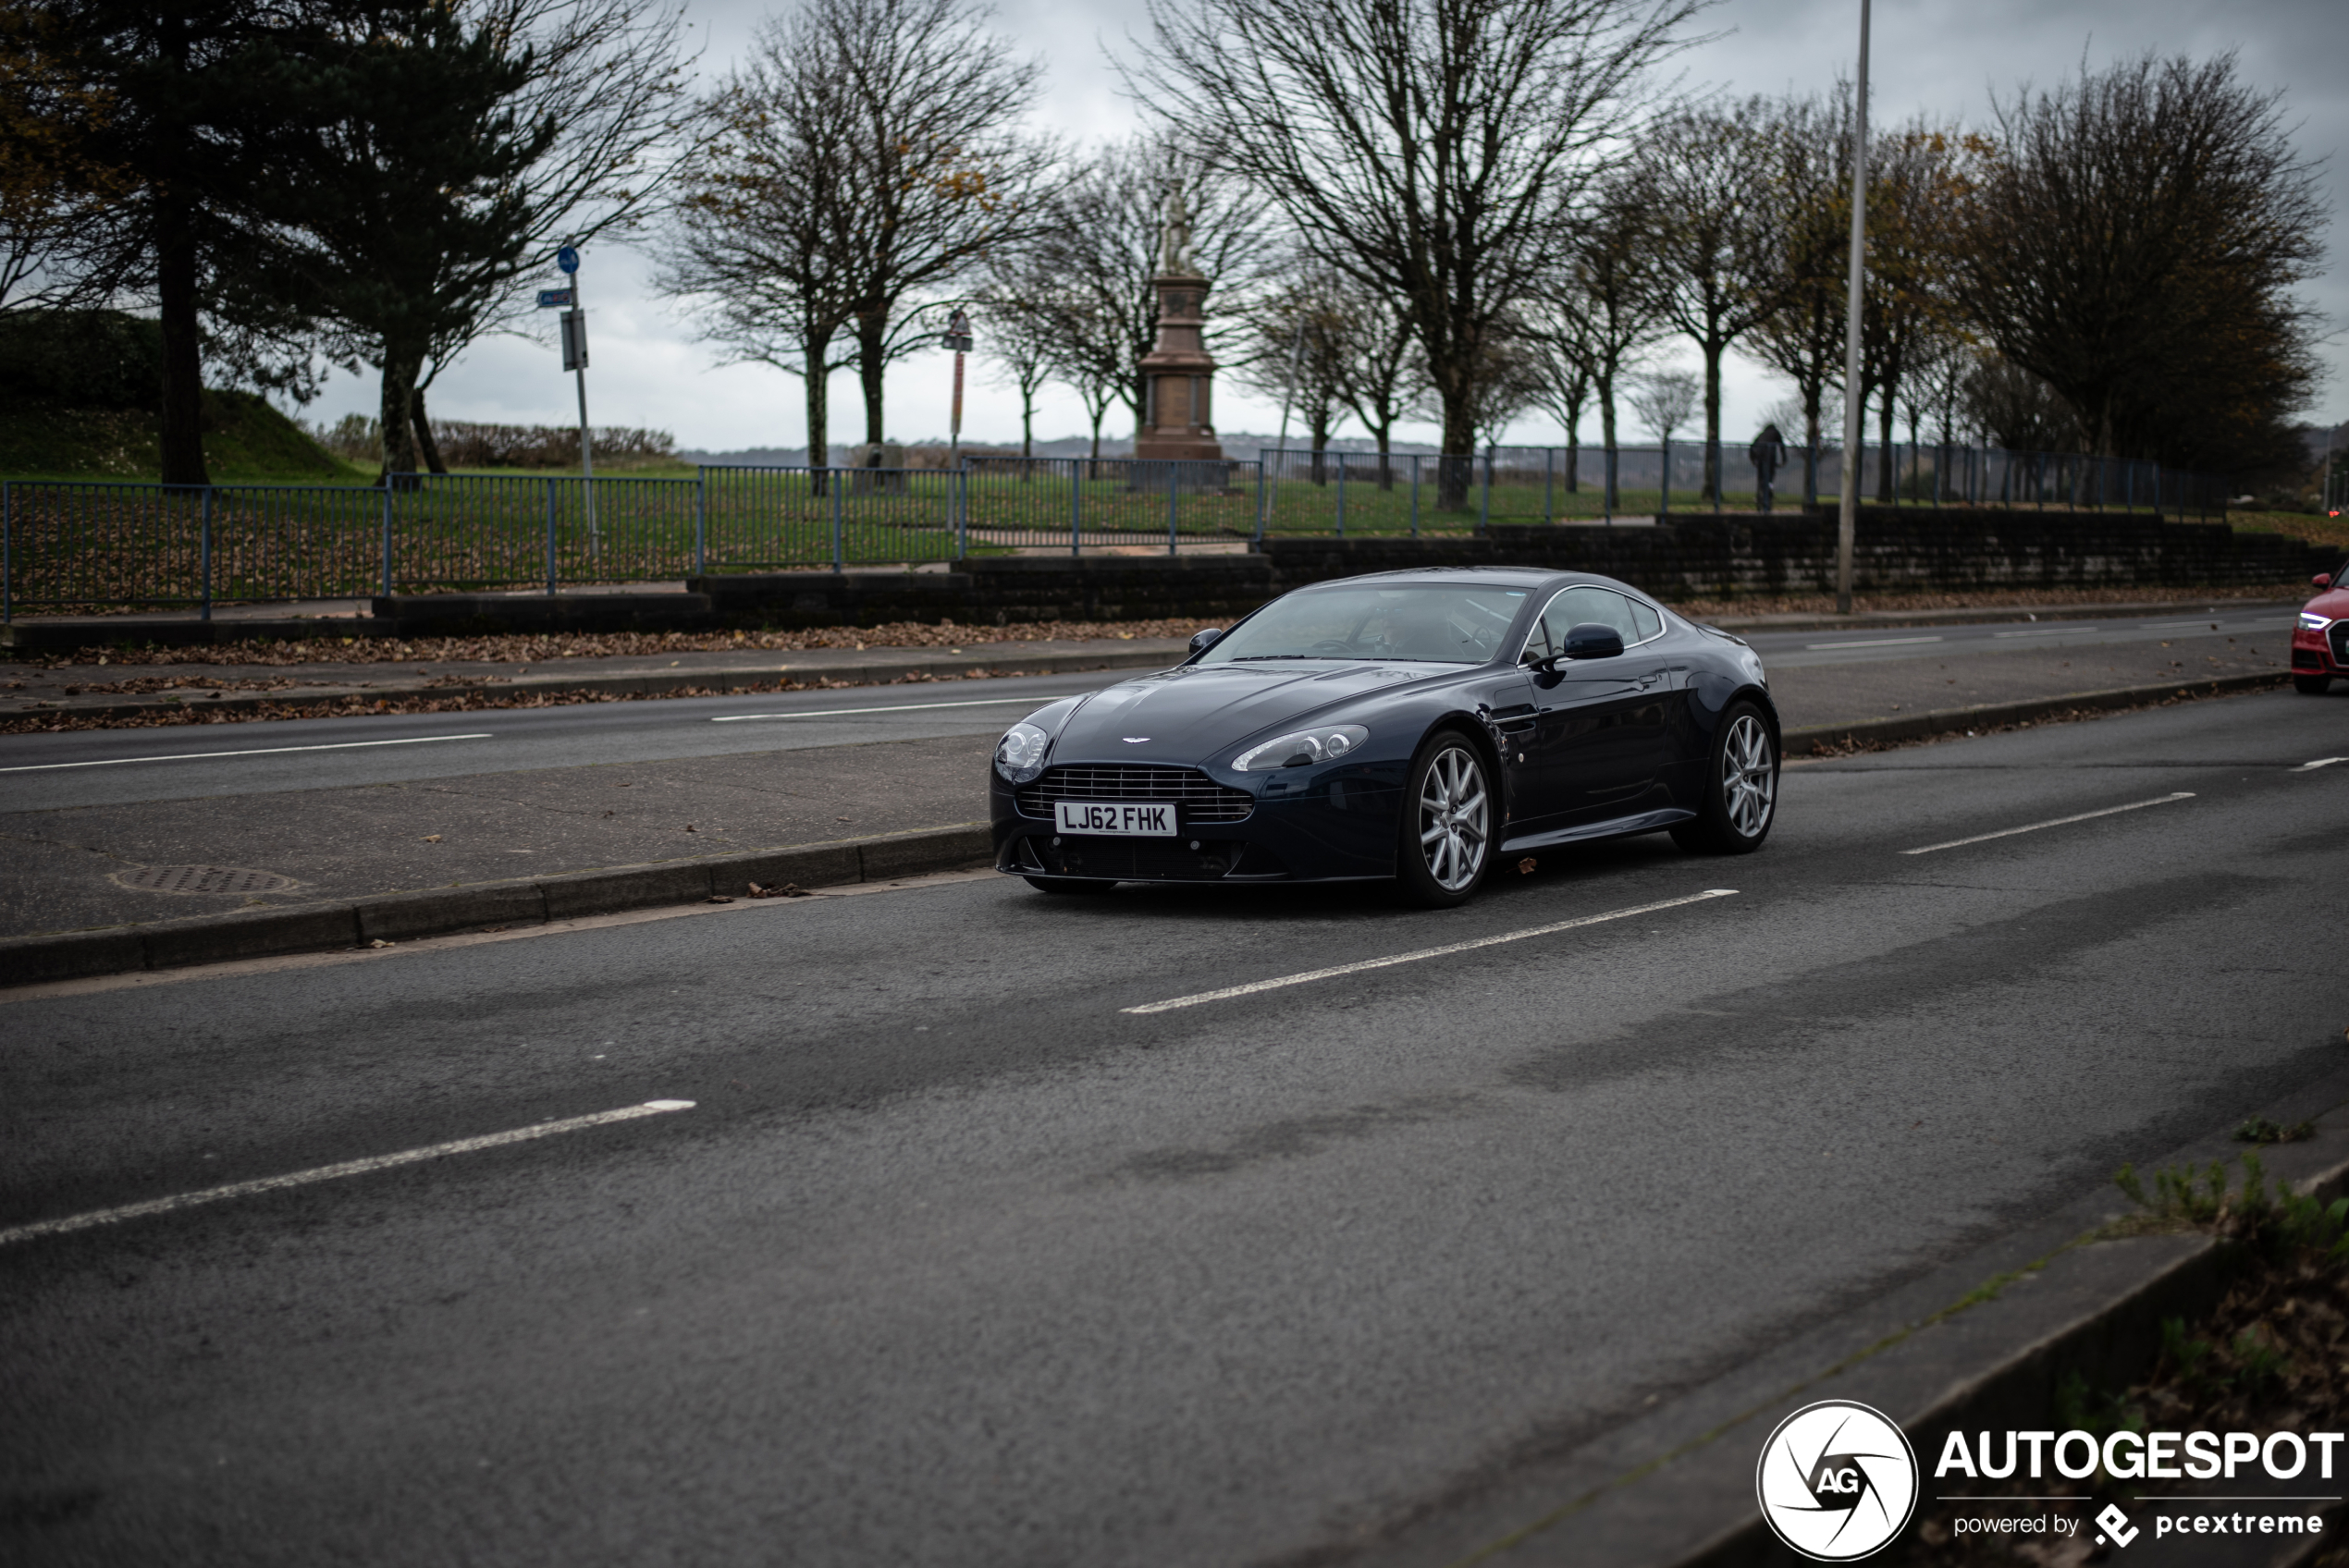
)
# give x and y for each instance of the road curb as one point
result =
(393, 917)
(1989, 715)
(716, 682)
(2109, 1302)
(1882, 620)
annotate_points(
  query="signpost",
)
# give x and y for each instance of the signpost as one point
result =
(958, 338)
(574, 333)
(1848, 503)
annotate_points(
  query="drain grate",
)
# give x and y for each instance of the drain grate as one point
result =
(202, 879)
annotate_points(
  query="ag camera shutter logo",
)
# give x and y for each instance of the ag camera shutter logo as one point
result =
(1836, 1481)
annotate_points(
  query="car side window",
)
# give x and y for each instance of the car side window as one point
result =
(1575, 606)
(1646, 619)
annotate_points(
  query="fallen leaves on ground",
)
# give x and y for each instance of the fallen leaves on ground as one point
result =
(532, 648)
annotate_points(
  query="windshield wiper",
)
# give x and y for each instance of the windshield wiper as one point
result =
(1244, 658)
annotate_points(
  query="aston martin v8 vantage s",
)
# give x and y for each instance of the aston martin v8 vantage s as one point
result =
(1423, 726)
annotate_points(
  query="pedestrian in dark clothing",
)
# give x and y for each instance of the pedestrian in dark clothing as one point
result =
(1767, 453)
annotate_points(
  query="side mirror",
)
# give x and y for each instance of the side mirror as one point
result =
(1592, 640)
(1204, 640)
(2322, 580)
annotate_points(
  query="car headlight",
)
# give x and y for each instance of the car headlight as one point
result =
(1019, 755)
(1303, 747)
(2311, 622)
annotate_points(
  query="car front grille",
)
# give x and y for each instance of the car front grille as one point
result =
(1198, 798)
(2340, 635)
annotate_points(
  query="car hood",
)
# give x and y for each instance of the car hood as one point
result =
(1187, 713)
(2333, 603)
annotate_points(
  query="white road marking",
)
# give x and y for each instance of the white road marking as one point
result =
(1332, 972)
(256, 751)
(2041, 632)
(2321, 762)
(335, 1172)
(2058, 821)
(1876, 643)
(1039, 698)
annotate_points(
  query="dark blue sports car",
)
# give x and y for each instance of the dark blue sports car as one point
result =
(1421, 726)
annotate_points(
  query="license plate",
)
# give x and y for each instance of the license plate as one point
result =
(1101, 817)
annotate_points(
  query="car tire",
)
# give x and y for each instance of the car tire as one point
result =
(2311, 685)
(1445, 842)
(1740, 787)
(1068, 885)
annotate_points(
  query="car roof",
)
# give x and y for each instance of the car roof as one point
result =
(1500, 576)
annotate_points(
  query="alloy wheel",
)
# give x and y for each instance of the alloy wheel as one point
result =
(1454, 817)
(1749, 779)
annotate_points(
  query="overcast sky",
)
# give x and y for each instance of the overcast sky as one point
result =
(1942, 58)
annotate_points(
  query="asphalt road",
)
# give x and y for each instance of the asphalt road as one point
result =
(1796, 649)
(955, 1259)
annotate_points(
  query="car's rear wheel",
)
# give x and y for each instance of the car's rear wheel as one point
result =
(1740, 788)
(2311, 685)
(1445, 835)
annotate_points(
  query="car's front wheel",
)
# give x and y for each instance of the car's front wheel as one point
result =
(2311, 685)
(1740, 797)
(1446, 832)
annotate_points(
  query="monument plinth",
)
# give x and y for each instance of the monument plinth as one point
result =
(1178, 375)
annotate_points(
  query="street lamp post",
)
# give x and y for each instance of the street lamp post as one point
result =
(1847, 511)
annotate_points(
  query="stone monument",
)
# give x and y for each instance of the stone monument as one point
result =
(1178, 375)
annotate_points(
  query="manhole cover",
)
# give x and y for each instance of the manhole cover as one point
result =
(202, 879)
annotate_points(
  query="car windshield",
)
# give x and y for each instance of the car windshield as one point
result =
(1428, 623)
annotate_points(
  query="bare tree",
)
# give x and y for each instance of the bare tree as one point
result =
(1665, 400)
(2134, 243)
(1810, 178)
(1018, 326)
(1293, 346)
(1718, 233)
(1602, 311)
(941, 174)
(61, 246)
(1435, 150)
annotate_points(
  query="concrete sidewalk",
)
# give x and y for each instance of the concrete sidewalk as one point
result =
(89, 692)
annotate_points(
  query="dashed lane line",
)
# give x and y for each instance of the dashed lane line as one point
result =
(1308, 977)
(2054, 822)
(335, 1172)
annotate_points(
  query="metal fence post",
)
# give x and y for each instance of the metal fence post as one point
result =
(1076, 507)
(1341, 494)
(551, 537)
(1664, 471)
(962, 510)
(1259, 498)
(387, 541)
(206, 549)
(1415, 495)
(701, 507)
(8, 552)
(1484, 505)
(1549, 466)
(833, 475)
(1173, 474)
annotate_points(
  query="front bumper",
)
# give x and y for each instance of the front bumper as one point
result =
(1332, 822)
(2325, 652)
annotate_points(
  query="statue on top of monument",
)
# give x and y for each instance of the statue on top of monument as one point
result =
(1175, 247)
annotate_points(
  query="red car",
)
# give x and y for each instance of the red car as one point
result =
(2320, 644)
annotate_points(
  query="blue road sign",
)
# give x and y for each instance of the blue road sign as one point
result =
(554, 299)
(567, 259)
